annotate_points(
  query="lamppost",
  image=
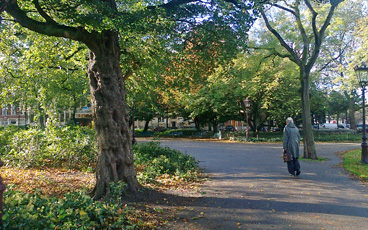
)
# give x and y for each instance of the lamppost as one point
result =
(362, 74)
(247, 106)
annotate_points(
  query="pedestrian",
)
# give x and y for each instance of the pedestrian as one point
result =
(291, 144)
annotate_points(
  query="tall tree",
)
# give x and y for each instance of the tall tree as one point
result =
(337, 104)
(303, 48)
(39, 81)
(338, 51)
(108, 28)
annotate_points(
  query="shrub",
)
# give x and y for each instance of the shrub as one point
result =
(156, 160)
(57, 147)
(74, 211)
(184, 132)
(72, 147)
(6, 137)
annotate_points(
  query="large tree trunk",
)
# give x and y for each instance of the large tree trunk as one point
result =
(215, 126)
(115, 156)
(197, 124)
(308, 137)
(146, 125)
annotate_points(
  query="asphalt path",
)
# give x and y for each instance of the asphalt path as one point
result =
(249, 188)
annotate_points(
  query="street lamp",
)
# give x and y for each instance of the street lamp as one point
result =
(362, 74)
(247, 106)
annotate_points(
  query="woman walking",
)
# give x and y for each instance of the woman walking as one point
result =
(291, 145)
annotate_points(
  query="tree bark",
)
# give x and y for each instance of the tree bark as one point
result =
(146, 125)
(215, 126)
(110, 112)
(197, 124)
(308, 137)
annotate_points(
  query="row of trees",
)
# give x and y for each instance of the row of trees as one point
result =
(179, 57)
(271, 82)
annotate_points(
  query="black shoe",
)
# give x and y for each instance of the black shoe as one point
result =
(297, 173)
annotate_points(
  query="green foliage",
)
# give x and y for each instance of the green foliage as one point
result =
(326, 136)
(337, 103)
(157, 160)
(55, 147)
(319, 136)
(72, 147)
(45, 82)
(74, 211)
(179, 132)
(5, 138)
(353, 165)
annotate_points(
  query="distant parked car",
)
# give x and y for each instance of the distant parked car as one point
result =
(263, 128)
(159, 129)
(275, 129)
(360, 127)
(229, 128)
(333, 126)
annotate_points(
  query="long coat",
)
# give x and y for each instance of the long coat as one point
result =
(291, 139)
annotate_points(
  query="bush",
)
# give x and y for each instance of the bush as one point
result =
(55, 147)
(74, 211)
(337, 137)
(72, 147)
(156, 160)
(319, 136)
(184, 132)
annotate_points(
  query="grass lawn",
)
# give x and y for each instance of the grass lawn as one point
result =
(353, 165)
(320, 159)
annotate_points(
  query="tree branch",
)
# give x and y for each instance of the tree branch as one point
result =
(10, 73)
(302, 33)
(329, 62)
(314, 24)
(293, 56)
(172, 4)
(3, 6)
(50, 28)
(43, 13)
(333, 59)
(63, 68)
(320, 35)
(273, 52)
(284, 8)
(74, 53)
(175, 3)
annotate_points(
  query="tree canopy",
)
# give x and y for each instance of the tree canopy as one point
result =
(116, 33)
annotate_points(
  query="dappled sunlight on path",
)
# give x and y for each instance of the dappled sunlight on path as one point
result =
(249, 188)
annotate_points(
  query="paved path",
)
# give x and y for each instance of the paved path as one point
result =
(249, 188)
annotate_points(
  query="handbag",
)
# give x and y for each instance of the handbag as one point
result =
(287, 156)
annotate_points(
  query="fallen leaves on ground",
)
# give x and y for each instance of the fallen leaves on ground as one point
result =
(168, 182)
(49, 181)
(57, 182)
